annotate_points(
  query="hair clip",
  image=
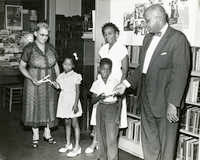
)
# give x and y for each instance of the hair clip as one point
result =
(75, 56)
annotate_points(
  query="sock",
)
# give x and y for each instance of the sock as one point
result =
(35, 133)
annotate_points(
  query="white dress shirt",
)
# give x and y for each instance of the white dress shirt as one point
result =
(152, 47)
(99, 87)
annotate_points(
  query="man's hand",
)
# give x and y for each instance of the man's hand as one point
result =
(119, 89)
(172, 114)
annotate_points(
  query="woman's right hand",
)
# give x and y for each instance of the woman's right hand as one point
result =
(35, 82)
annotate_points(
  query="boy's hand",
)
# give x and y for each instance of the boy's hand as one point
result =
(101, 97)
(75, 108)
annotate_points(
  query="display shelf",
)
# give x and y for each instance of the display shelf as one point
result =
(130, 147)
(133, 116)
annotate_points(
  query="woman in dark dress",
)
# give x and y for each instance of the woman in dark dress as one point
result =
(40, 99)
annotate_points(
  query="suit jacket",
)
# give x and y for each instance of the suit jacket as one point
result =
(168, 71)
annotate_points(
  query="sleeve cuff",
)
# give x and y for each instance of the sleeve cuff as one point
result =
(126, 83)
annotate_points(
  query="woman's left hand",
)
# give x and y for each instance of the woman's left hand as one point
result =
(75, 108)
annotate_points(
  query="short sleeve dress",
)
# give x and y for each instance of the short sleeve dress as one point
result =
(39, 102)
(67, 82)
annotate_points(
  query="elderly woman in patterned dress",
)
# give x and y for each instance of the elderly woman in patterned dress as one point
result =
(39, 106)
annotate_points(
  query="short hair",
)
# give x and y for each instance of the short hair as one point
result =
(107, 61)
(112, 25)
(160, 9)
(42, 25)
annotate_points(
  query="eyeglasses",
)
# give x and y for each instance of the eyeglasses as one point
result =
(43, 35)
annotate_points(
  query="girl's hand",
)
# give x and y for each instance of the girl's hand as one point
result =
(54, 83)
(75, 108)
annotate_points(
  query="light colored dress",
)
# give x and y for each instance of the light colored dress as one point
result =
(68, 82)
(116, 53)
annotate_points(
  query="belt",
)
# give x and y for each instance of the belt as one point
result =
(102, 102)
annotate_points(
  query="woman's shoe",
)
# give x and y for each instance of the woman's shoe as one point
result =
(49, 140)
(74, 152)
(35, 143)
(65, 148)
(90, 149)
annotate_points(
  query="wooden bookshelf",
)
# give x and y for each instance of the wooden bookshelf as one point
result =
(192, 116)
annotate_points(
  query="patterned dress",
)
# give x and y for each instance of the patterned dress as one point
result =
(39, 105)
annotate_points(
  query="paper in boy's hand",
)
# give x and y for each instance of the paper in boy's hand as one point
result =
(111, 95)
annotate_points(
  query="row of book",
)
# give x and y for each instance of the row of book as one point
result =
(132, 106)
(187, 148)
(133, 52)
(193, 94)
(133, 132)
(195, 59)
(192, 120)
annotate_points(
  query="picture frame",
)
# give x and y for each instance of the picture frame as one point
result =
(14, 17)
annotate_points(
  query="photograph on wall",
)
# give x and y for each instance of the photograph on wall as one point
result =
(134, 21)
(14, 17)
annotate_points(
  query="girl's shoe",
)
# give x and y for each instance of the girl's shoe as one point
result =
(49, 140)
(65, 148)
(74, 152)
(35, 143)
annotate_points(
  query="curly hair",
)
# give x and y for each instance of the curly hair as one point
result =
(112, 25)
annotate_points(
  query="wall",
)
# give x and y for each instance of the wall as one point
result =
(102, 15)
(68, 7)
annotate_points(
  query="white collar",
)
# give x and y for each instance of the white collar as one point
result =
(164, 29)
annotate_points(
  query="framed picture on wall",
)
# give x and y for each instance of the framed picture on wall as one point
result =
(14, 17)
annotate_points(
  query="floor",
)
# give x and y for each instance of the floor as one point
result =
(15, 141)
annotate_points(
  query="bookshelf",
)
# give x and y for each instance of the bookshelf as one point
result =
(130, 138)
(189, 137)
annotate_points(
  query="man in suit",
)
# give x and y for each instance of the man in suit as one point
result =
(161, 79)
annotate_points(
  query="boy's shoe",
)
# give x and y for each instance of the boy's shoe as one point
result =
(74, 153)
(65, 148)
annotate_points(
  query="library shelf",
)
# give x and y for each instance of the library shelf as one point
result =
(133, 116)
(130, 146)
(183, 131)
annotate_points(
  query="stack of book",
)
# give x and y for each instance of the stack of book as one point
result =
(132, 106)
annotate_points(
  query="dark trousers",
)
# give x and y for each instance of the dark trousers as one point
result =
(157, 133)
(107, 131)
